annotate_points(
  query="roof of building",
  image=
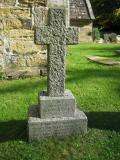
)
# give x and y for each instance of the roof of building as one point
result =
(81, 9)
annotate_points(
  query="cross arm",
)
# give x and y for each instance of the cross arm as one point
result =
(43, 35)
(72, 35)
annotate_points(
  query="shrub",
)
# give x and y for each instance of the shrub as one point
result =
(95, 34)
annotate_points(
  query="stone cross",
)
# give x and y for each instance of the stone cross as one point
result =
(56, 36)
(56, 113)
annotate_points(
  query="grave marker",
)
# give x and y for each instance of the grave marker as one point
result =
(56, 113)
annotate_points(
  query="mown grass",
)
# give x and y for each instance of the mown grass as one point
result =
(97, 90)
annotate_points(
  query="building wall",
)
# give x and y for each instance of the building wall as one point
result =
(85, 29)
(19, 55)
(86, 33)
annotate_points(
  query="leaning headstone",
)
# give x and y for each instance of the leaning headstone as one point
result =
(102, 60)
(56, 113)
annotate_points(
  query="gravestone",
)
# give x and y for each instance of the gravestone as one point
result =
(56, 113)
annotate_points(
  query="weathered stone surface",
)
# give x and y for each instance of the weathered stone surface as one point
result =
(64, 4)
(13, 23)
(102, 60)
(57, 36)
(8, 2)
(41, 2)
(22, 46)
(40, 16)
(18, 47)
(37, 59)
(15, 18)
(14, 12)
(23, 72)
(41, 128)
(57, 3)
(72, 35)
(24, 34)
(1, 62)
(22, 41)
(13, 55)
(16, 61)
(85, 33)
(54, 107)
(29, 60)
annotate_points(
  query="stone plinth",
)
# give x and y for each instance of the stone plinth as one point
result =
(41, 128)
(55, 107)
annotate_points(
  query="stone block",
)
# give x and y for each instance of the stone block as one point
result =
(41, 2)
(22, 46)
(15, 23)
(15, 61)
(8, 2)
(60, 127)
(51, 107)
(19, 72)
(60, 4)
(72, 35)
(40, 16)
(57, 3)
(25, 34)
(36, 59)
(14, 12)
(12, 23)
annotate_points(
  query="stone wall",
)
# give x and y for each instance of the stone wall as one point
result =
(86, 33)
(85, 29)
(19, 55)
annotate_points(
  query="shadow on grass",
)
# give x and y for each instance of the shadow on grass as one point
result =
(100, 47)
(24, 86)
(17, 129)
(80, 74)
(13, 130)
(104, 120)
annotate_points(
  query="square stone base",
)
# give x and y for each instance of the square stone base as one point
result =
(41, 128)
(56, 107)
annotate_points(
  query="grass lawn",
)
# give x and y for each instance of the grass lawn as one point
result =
(97, 90)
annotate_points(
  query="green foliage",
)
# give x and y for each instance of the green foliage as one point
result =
(97, 90)
(2, 76)
(96, 34)
(107, 13)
